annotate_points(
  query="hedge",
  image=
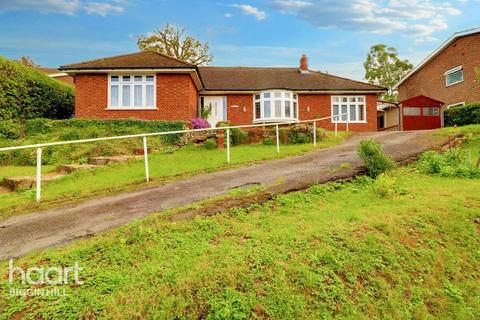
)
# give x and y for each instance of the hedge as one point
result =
(463, 115)
(46, 130)
(26, 93)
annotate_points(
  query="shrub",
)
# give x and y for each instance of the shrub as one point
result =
(238, 136)
(9, 130)
(374, 158)
(268, 142)
(38, 126)
(199, 123)
(463, 115)
(452, 163)
(210, 144)
(26, 93)
(385, 186)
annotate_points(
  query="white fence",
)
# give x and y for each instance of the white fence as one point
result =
(144, 136)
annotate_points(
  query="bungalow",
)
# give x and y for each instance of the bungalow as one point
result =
(151, 86)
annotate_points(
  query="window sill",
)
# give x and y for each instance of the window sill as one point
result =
(453, 84)
(274, 120)
(349, 122)
(131, 109)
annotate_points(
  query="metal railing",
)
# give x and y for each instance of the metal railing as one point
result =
(144, 136)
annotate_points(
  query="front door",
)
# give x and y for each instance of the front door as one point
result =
(217, 109)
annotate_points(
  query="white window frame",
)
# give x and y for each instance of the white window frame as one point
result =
(292, 98)
(357, 103)
(456, 104)
(132, 85)
(449, 72)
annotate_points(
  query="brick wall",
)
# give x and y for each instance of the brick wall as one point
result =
(176, 99)
(320, 106)
(430, 80)
(312, 106)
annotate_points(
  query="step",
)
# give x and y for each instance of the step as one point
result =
(27, 183)
(103, 161)
(70, 168)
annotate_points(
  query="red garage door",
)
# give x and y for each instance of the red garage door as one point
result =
(421, 113)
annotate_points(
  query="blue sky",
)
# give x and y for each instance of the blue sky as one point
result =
(335, 35)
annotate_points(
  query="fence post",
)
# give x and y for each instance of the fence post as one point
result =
(278, 138)
(347, 122)
(39, 174)
(228, 145)
(314, 133)
(336, 126)
(145, 155)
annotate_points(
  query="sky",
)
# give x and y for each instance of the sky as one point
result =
(335, 35)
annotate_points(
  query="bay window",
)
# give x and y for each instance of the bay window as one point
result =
(275, 106)
(131, 92)
(349, 109)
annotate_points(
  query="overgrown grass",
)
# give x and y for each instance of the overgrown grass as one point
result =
(335, 251)
(183, 162)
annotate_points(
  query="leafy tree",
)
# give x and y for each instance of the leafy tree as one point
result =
(27, 61)
(172, 41)
(384, 68)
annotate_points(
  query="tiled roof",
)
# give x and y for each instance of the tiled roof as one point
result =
(254, 79)
(138, 60)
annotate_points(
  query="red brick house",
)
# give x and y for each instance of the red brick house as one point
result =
(448, 74)
(151, 86)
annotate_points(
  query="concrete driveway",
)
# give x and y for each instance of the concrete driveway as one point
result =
(22, 234)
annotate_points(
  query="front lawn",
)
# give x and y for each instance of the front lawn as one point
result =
(335, 251)
(164, 167)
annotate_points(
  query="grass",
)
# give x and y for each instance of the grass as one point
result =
(164, 167)
(21, 171)
(335, 251)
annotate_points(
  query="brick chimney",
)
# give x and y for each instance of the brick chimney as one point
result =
(304, 64)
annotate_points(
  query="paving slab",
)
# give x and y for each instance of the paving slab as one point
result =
(22, 234)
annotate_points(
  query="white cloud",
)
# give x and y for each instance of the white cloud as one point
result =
(418, 18)
(69, 7)
(252, 11)
(102, 9)
(228, 15)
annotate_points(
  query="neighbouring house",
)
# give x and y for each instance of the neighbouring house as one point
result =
(388, 116)
(57, 75)
(449, 74)
(151, 86)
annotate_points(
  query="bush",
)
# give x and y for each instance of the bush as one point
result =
(210, 144)
(38, 126)
(199, 123)
(268, 142)
(238, 136)
(9, 130)
(26, 93)
(463, 115)
(385, 186)
(374, 158)
(452, 163)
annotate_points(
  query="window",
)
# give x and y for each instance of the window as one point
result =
(412, 111)
(454, 76)
(348, 109)
(131, 92)
(430, 111)
(275, 106)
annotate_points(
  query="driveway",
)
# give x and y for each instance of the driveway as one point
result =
(22, 234)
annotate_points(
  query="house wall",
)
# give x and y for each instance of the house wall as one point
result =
(320, 106)
(430, 80)
(177, 99)
(240, 110)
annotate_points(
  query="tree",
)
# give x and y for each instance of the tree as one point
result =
(172, 41)
(27, 61)
(384, 68)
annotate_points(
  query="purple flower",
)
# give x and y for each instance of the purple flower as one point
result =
(199, 123)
